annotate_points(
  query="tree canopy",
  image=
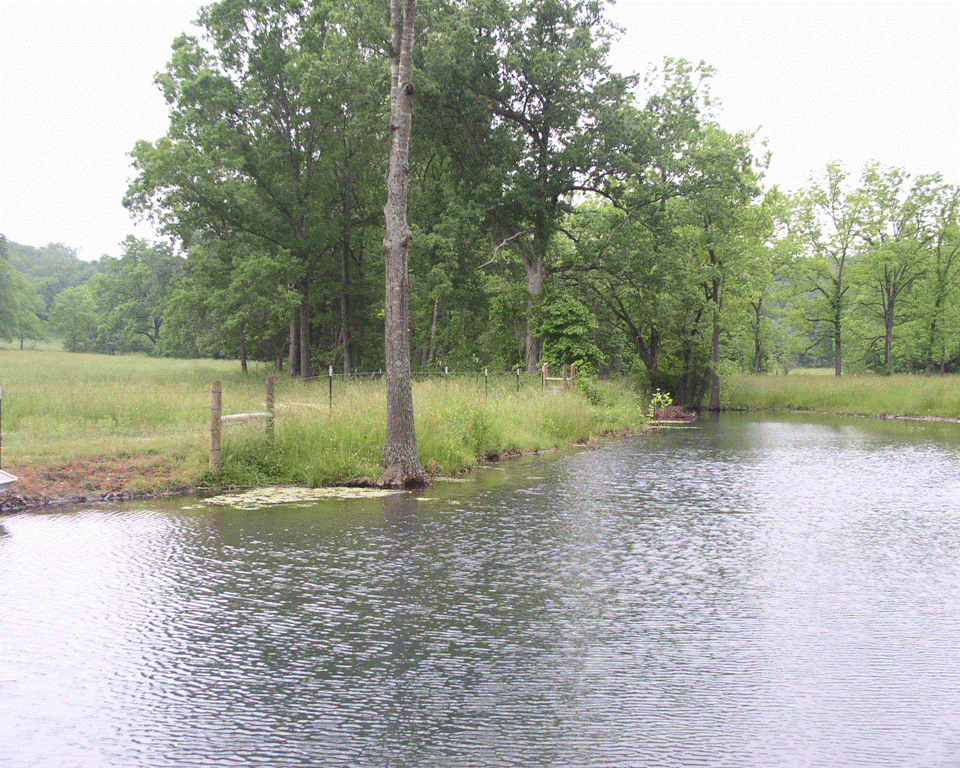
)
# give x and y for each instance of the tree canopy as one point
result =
(555, 212)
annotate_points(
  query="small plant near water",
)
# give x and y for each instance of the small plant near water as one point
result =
(659, 401)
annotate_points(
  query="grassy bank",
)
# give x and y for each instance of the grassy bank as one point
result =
(866, 395)
(59, 406)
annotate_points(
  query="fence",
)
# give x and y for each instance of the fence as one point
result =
(217, 419)
(566, 381)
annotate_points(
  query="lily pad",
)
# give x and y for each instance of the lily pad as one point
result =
(265, 497)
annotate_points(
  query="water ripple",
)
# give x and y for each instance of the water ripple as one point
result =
(752, 592)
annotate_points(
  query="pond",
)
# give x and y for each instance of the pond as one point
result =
(749, 591)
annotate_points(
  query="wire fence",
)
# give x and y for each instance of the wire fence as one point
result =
(483, 377)
(75, 417)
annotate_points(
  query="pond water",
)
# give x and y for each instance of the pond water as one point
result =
(750, 591)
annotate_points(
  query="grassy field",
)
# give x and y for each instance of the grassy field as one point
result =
(58, 406)
(865, 395)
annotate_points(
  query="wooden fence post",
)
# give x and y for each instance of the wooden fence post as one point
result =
(271, 395)
(543, 375)
(216, 406)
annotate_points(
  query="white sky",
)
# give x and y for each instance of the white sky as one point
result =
(823, 82)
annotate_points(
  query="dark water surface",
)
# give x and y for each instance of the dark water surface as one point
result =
(749, 592)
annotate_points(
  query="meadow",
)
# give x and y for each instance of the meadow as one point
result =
(863, 395)
(57, 406)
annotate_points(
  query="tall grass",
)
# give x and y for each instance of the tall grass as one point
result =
(458, 422)
(867, 395)
(57, 406)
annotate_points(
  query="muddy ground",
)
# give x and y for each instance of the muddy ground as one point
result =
(99, 478)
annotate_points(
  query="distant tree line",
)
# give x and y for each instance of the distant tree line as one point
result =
(560, 213)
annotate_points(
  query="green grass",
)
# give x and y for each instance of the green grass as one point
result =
(57, 406)
(458, 423)
(865, 395)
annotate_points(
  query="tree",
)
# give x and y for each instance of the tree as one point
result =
(74, 317)
(20, 303)
(401, 460)
(51, 269)
(231, 299)
(936, 294)
(720, 231)
(767, 305)
(894, 235)
(676, 237)
(257, 146)
(566, 327)
(132, 294)
(829, 218)
(534, 113)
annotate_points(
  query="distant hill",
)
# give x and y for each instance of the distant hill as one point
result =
(52, 268)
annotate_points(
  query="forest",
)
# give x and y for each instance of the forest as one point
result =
(561, 213)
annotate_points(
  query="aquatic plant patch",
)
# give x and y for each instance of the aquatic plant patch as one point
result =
(260, 498)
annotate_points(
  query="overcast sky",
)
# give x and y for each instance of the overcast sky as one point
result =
(822, 82)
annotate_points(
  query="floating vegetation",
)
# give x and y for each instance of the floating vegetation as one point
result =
(265, 497)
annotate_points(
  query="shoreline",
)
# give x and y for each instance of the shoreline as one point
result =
(104, 479)
(886, 416)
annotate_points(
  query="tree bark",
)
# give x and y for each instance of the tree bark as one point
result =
(345, 319)
(433, 331)
(305, 365)
(401, 460)
(534, 266)
(717, 299)
(293, 350)
(243, 349)
(757, 342)
(715, 368)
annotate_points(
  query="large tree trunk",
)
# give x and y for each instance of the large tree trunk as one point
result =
(305, 365)
(715, 368)
(715, 341)
(243, 349)
(345, 272)
(757, 341)
(837, 323)
(931, 345)
(837, 352)
(433, 332)
(401, 460)
(534, 266)
(293, 350)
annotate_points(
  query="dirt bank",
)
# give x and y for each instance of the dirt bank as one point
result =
(98, 478)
